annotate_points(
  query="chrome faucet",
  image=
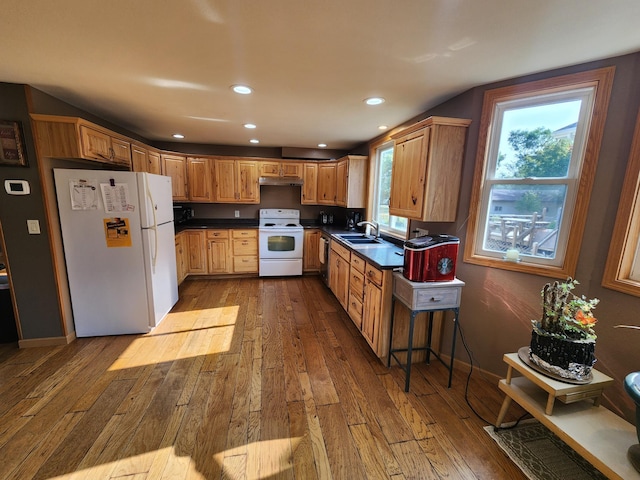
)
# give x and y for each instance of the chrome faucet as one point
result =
(372, 224)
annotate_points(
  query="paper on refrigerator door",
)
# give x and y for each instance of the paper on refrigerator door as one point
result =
(84, 194)
(116, 197)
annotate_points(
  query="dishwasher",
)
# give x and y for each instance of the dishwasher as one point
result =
(323, 256)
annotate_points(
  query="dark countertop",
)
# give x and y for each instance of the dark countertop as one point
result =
(386, 257)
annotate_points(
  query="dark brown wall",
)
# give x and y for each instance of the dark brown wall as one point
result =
(29, 258)
(498, 305)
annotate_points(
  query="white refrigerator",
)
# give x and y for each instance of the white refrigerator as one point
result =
(119, 246)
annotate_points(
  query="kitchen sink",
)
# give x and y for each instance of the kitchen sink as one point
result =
(359, 239)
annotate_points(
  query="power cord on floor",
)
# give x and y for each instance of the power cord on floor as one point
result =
(466, 390)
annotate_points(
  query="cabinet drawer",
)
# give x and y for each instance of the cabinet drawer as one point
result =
(356, 283)
(245, 264)
(344, 252)
(373, 274)
(355, 310)
(245, 233)
(358, 263)
(245, 247)
(217, 233)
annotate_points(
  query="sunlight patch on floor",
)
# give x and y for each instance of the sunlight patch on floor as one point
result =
(182, 335)
(272, 457)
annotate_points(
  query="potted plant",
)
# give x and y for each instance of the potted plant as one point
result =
(563, 341)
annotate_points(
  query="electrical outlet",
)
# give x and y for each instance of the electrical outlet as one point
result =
(421, 232)
(237, 213)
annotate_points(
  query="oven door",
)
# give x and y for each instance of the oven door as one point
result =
(280, 243)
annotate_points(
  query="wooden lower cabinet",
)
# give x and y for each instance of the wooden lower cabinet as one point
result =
(197, 257)
(218, 252)
(339, 265)
(181, 257)
(311, 249)
(245, 250)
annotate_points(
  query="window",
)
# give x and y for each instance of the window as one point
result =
(622, 270)
(390, 224)
(537, 153)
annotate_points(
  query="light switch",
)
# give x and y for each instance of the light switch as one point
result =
(237, 213)
(33, 226)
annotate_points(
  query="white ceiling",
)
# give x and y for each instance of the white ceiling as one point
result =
(158, 67)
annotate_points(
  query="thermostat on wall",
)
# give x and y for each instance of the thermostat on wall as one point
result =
(17, 187)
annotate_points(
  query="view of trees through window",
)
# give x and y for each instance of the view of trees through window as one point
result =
(529, 186)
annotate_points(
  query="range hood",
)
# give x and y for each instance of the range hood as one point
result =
(282, 181)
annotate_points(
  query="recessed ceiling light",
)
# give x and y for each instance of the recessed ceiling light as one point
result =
(249, 125)
(374, 100)
(178, 135)
(242, 89)
(254, 140)
(382, 127)
(322, 145)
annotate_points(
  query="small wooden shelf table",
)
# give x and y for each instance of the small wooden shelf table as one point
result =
(597, 434)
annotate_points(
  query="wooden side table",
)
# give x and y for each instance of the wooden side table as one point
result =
(594, 432)
(421, 297)
(565, 392)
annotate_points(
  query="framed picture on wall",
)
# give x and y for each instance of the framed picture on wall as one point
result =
(12, 151)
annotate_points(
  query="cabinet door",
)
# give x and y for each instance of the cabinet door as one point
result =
(339, 279)
(408, 175)
(200, 184)
(218, 256)
(341, 183)
(248, 188)
(175, 166)
(327, 184)
(154, 165)
(311, 248)
(225, 175)
(309, 184)
(180, 264)
(291, 169)
(120, 152)
(371, 313)
(269, 169)
(95, 144)
(197, 259)
(139, 158)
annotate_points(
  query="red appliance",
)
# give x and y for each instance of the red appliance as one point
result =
(431, 258)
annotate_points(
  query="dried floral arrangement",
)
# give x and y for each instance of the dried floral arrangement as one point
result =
(565, 315)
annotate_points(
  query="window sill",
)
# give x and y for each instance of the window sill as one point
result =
(522, 266)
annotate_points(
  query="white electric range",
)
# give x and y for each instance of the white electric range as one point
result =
(280, 239)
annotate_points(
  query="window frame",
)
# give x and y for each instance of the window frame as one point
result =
(374, 154)
(625, 241)
(601, 81)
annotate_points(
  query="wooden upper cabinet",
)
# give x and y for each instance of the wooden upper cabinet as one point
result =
(341, 183)
(200, 181)
(248, 188)
(73, 137)
(309, 191)
(236, 181)
(139, 158)
(98, 145)
(280, 169)
(175, 166)
(351, 181)
(427, 169)
(154, 165)
(327, 183)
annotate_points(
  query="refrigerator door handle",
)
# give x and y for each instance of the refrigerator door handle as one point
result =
(154, 257)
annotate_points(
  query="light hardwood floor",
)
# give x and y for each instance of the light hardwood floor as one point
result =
(245, 379)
